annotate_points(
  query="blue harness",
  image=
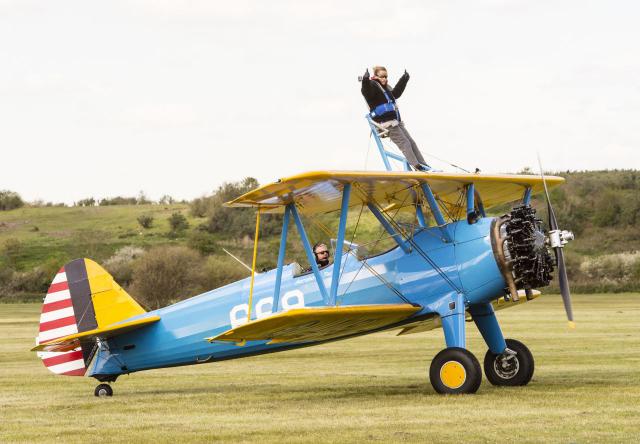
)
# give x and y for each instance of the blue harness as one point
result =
(385, 107)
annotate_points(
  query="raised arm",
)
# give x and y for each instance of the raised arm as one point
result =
(401, 85)
(366, 83)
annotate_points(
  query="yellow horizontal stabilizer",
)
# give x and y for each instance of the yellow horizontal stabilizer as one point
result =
(433, 321)
(318, 323)
(321, 191)
(70, 342)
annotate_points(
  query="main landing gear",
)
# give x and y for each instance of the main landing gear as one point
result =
(456, 371)
(103, 390)
(513, 367)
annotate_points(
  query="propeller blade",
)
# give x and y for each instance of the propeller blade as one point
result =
(553, 222)
(563, 280)
(564, 285)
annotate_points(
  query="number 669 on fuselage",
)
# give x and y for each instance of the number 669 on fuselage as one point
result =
(453, 264)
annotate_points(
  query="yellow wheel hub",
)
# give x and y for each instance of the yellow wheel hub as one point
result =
(453, 374)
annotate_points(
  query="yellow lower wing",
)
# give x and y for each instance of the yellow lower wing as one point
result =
(432, 322)
(318, 323)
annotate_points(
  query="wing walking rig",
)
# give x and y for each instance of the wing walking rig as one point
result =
(455, 264)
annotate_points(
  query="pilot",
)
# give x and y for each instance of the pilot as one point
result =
(381, 99)
(321, 252)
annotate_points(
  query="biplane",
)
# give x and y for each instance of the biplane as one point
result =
(454, 264)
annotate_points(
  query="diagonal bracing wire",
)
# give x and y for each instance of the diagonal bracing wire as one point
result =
(417, 247)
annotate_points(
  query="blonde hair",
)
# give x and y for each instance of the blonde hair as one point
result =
(377, 69)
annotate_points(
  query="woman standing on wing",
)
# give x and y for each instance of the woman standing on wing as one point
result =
(381, 99)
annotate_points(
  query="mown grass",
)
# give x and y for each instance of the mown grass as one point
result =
(586, 388)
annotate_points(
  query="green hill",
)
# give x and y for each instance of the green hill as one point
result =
(601, 207)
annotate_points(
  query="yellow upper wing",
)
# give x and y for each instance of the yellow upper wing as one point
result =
(321, 191)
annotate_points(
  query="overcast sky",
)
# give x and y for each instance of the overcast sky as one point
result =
(105, 98)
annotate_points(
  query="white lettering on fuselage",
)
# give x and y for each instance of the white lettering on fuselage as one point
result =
(264, 307)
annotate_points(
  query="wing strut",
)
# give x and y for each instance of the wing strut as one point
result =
(253, 264)
(281, 253)
(337, 260)
(310, 256)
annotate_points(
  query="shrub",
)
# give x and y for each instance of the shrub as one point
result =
(178, 222)
(118, 200)
(120, 265)
(145, 221)
(203, 242)
(167, 274)
(222, 270)
(6, 277)
(36, 280)
(10, 200)
(13, 249)
(201, 206)
(607, 209)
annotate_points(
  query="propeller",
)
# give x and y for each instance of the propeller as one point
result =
(557, 240)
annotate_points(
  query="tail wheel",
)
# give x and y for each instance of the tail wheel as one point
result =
(512, 368)
(455, 371)
(103, 390)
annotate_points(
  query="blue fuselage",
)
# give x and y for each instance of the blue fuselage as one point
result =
(179, 337)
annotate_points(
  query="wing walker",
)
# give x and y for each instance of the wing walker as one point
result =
(454, 264)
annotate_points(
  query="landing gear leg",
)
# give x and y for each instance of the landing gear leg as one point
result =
(103, 390)
(454, 370)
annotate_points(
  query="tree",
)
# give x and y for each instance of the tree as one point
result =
(88, 202)
(166, 200)
(142, 199)
(10, 200)
(238, 222)
(167, 274)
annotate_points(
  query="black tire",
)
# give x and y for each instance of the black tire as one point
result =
(447, 375)
(514, 371)
(103, 390)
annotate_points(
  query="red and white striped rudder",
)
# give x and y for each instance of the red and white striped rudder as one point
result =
(59, 319)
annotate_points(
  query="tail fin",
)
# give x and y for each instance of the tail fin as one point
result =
(82, 297)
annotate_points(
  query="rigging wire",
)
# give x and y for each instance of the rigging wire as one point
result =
(366, 157)
(364, 264)
(420, 251)
(448, 163)
(369, 267)
(438, 158)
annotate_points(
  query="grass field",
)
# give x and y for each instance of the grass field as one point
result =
(586, 388)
